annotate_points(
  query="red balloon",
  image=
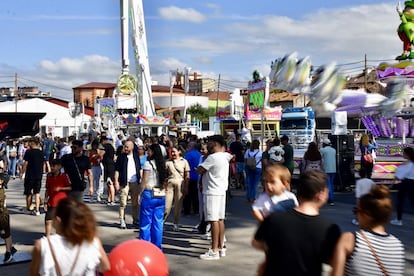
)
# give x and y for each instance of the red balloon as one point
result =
(137, 257)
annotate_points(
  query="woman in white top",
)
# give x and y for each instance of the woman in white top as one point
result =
(253, 175)
(405, 173)
(371, 250)
(75, 249)
(152, 196)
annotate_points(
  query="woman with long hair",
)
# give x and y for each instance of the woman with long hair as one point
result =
(178, 171)
(12, 154)
(75, 249)
(312, 159)
(253, 173)
(152, 196)
(367, 146)
(371, 250)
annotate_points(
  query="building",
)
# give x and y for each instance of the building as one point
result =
(87, 93)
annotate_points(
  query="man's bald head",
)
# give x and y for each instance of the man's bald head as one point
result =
(128, 147)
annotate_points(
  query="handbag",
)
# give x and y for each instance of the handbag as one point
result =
(368, 158)
(377, 259)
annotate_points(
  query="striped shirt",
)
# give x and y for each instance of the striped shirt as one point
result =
(389, 249)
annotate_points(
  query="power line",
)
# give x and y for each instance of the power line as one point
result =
(44, 84)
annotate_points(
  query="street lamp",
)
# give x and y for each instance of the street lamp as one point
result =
(173, 78)
(186, 89)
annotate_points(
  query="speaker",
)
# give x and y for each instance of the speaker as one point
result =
(342, 143)
(345, 174)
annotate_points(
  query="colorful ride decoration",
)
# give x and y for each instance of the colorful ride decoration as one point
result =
(132, 119)
(406, 29)
(387, 70)
(126, 84)
(293, 75)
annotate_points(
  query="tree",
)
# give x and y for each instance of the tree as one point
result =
(200, 113)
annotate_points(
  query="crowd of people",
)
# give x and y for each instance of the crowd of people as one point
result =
(164, 175)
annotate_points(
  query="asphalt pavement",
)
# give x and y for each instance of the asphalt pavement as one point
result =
(183, 248)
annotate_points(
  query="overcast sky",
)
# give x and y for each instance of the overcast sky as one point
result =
(58, 45)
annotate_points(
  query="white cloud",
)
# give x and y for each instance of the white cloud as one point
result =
(59, 77)
(179, 14)
(342, 35)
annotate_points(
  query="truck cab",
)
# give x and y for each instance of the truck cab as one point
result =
(299, 124)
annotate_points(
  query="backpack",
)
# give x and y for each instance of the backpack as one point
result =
(251, 162)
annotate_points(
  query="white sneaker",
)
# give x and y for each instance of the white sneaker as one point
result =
(223, 251)
(206, 236)
(210, 255)
(176, 228)
(35, 213)
(98, 199)
(355, 222)
(123, 224)
(396, 222)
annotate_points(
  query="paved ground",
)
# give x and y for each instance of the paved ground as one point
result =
(183, 248)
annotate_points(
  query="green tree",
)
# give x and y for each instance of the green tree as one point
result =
(200, 113)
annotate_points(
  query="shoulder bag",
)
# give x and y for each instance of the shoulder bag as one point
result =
(57, 267)
(368, 157)
(377, 259)
(82, 179)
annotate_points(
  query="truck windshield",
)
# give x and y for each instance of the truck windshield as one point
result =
(293, 124)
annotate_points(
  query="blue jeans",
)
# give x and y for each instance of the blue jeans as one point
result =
(331, 188)
(151, 218)
(12, 166)
(252, 182)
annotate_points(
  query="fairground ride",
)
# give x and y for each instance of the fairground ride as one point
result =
(131, 109)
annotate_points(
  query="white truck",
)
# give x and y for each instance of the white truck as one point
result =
(299, 124)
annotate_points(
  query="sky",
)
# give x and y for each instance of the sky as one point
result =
(57, 45)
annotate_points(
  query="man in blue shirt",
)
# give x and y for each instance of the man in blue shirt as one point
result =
(329, 163)
(191, 199)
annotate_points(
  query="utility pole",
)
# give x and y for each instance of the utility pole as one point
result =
(173, 78)
(365, 74)
(15, 92)
(218, 90)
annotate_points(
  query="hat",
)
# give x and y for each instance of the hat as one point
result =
(326, 141)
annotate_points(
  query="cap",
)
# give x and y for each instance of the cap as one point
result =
(326, 141)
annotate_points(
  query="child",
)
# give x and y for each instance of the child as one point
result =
(5, 222)
(57, 185)
(362, 186)
(277, 197)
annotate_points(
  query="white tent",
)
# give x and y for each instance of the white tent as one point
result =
(57, 119)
